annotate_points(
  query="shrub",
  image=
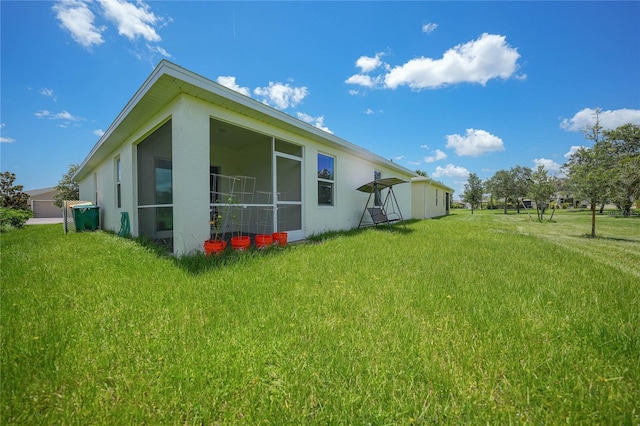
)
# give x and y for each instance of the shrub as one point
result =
(13, 218)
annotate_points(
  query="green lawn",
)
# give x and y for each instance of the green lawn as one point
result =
(488, 318)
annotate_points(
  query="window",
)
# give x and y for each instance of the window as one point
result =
(118, 184)
(326, 180)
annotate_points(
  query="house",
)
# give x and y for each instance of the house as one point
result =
(41, 203)
(184, 143)
(429, 198)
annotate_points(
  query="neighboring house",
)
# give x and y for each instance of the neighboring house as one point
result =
(41, 203)
(169, 151)
(429, 198)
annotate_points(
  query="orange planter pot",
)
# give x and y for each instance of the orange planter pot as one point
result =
(280, 238)
(263, 241)
(240, 243)
(214, 247)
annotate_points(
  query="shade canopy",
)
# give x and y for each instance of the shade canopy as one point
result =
(380, 184)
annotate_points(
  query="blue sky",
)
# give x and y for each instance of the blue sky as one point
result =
(450, 88)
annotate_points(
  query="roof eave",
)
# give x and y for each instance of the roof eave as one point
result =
(144, 88)
(184, 77)
(432, 182)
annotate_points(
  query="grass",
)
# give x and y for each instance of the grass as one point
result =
(487, 318)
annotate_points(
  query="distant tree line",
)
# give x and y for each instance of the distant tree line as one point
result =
(607, 172)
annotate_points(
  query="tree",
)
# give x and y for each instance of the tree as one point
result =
(67, 189)
(541, 188)
(510, 184)
(521, 177)
(610, 170)
(12, 195)
(473, 191)
(500, 186)
(626, 139)
(590, 170)
(421, 173)
(625, 184)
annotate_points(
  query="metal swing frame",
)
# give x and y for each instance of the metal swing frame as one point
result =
(380, 214)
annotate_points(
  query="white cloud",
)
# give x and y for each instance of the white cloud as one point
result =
(132, 20)
(230, 82)
(364, 80)
(353, 92)
(76, 17)
(424, 146)
(305, 117)
(477, 61)
(98, 132)
(609, 119)
(438, 155)
(315, 121)
(451, 171)
(474, 143)
(572, 150)
(281, 95)
(158, 49)
(368, 64)
(549, 165)
(64, 115)
(429, 28)
(48, 93)
(399, 157)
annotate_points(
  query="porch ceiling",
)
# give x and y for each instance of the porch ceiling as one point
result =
(234, 137)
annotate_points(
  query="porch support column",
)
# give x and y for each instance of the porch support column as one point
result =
(190, 175)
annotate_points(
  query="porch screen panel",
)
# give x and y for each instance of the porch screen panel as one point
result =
(289, 217)
(155, 185)
(288, 148)
(289, 179)
(289, 188)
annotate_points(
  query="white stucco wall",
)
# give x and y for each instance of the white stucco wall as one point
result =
(99, 185)
(190, 147)
(428, 199)
(350, 172)
(191, 158)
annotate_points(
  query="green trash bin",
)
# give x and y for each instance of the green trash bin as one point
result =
(87, 218)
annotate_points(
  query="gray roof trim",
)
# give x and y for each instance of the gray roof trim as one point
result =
(432, 182)
(39, 191)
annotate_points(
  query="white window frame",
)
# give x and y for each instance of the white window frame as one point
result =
(331, 182)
